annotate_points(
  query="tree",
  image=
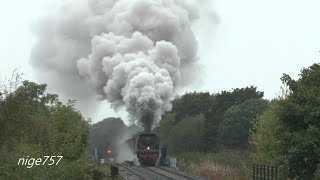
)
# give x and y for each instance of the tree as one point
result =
(266, 134)
(236, 121)
(166, 125)
(191, 104)
(35, 123)
(296, 121)
(186, 136)
(24, 113)
(222, 102)
(71, 144)
(211, 106)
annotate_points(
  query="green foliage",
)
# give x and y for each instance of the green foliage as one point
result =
(265, 137)
(35, 124)
(192, 104)
(213, 108)
(186, 136)
(64, 118)
(281, 172)
(237, 119)
(293, 124)
(222, 102)
(165, 127)
(317, 173)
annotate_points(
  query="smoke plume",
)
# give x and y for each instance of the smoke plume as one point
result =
(132, 53)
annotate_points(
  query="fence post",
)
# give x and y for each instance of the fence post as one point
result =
(265, 172)
(114, 171)
(257, 171)
(260, 173)
(253, 172)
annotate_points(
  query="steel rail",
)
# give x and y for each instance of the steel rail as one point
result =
(134, 172)
(174, 172)
(159, 173)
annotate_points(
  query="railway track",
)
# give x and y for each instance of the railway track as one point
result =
(152, 173)
(128, 173)
(171, 174)
(180, 173)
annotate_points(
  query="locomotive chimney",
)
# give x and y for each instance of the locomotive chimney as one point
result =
(147, 121)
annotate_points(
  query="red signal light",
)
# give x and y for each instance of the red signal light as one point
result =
(109, 152)
(148, 148)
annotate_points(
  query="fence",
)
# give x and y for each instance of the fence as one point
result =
(262, 172)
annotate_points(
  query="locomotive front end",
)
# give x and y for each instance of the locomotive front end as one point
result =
(148, 148)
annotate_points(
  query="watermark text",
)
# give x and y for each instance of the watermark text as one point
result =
(46, 160)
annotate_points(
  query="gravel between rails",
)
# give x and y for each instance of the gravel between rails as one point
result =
(181, 173)
(149, 174)
(128, 173)
(173, 175)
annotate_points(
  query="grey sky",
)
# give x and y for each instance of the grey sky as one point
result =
(242, 43)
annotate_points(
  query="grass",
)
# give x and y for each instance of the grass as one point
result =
(224, 165)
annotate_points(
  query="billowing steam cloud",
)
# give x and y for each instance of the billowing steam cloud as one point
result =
(132, 53)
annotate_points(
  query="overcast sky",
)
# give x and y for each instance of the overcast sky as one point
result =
(241, 43)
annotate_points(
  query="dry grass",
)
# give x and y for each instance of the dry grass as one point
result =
(212, 170)
(228, 165)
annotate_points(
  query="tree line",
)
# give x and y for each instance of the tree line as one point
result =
(283, 132)
(200, 121)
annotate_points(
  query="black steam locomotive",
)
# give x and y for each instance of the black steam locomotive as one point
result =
(146, 148)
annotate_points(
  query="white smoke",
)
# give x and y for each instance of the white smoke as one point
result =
(132, 53)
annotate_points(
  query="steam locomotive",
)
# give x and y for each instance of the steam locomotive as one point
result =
(146, 148)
